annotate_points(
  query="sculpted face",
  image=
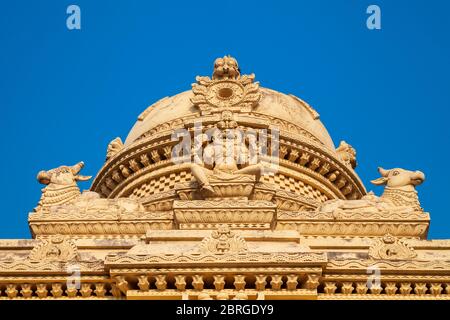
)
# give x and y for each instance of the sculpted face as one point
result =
(398, 178)
(64, 175)
(226, 68)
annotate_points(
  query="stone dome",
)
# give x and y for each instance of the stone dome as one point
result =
(272, 104)
(309, 170)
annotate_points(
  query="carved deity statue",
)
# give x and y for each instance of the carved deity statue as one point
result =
(224, 157)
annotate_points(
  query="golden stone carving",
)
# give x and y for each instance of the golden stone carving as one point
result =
(61, 186)
(56, 248)
(347, 154)
(391, 248)
(399, 195)
(223, 240)
(114, 147)
(227, 90)
(151, 227)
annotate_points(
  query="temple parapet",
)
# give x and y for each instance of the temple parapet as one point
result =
(227, 191)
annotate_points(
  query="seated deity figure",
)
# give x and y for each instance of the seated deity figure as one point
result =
(224, 157)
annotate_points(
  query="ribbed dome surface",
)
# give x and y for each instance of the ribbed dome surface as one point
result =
(272, 104)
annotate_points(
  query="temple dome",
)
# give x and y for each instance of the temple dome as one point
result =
(309, 167)
(273, 104)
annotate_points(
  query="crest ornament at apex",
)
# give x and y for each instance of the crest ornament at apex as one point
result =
(227, 90)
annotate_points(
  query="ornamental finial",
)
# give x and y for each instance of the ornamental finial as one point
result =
(227, 90)
(226, 68)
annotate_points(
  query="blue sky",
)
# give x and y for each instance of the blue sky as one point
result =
(65, 94)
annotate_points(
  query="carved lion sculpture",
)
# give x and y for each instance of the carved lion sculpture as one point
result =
(226, 68)
(399, 195)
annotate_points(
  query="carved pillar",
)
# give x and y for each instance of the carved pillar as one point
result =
(115, 290)
(56, 291)
(391, 288)
(143, 283)
(180, 282)
(405, 288)
(420, 288)
(261, 282)
(347, 287)
(219, 282)
(71, 291)
(435, 289)
(26, 291)
(276, 282)
(329, 287)
(85, 290)
(292, 281)
(161, 283)
(239, 282)
(447, 288)
(312, 281)
(11, 291)
(100, 290)
(122, 284)
(197, 282)
(375, 288)
(361, 287)
(41, 290)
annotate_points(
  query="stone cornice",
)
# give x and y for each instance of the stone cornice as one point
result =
(207, 260)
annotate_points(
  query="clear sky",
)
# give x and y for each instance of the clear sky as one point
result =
(64, 94)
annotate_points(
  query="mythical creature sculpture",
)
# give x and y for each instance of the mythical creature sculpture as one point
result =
(347, 154)
(399, 195)
(114, 147)
(62, 194)
(226, 90)
(61, 185)
(226, 68)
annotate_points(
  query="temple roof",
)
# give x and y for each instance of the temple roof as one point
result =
(273, 103)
